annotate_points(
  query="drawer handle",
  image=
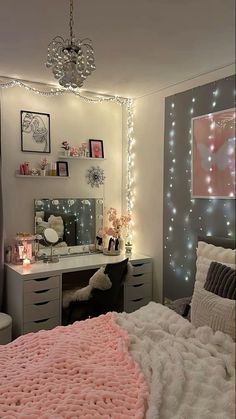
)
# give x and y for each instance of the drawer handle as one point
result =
(41, 304)
(138, 264)
(138, 275)
(41, 291)
(41, 321)
(137, 299)
(40, 279)
(138, 285)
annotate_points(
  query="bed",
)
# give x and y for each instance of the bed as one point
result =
(152, 363)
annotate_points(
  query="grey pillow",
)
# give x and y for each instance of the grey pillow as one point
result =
(221, 280)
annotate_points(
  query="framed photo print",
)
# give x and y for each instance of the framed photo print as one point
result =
(96, 149)
(62, 168)
(35, 132)
(213, 155)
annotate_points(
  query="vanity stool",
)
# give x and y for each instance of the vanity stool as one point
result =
(5, 328)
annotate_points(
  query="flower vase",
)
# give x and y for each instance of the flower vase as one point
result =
(113, 248)
(42, 172)
(66, 153)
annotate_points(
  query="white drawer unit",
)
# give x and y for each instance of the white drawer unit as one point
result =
(138, 286)
(35, 326)
(34, 296)
(38, 303)
(41, 284)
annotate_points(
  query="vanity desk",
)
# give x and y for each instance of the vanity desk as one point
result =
(34, 293)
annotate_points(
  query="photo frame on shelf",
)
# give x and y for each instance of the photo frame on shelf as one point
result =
(213, 155)
(62, 168)
(35, 132)
(96, 149)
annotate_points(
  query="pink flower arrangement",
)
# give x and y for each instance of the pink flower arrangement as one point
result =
(119, 225)
(74, 151)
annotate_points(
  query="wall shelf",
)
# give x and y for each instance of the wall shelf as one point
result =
(80, 158)
(17, 174)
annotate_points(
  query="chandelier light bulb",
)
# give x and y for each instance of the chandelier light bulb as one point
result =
(72, 60)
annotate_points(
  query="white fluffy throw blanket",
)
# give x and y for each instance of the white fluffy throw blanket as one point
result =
(99, 281)
(190, 371)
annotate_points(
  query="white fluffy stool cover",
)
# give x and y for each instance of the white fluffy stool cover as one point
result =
(5, 328)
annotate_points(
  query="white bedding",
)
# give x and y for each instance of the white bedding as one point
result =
(190, 371)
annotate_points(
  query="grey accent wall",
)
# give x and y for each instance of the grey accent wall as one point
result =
(184, 218)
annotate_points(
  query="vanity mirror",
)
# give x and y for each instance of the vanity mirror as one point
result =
(76, 221)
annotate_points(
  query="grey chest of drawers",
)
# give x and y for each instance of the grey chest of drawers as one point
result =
(138, 286)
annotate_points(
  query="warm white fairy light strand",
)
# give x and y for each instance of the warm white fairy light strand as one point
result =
(130, 193)
(128, 103)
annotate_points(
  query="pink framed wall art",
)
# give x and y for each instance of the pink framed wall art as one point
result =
(213, 155)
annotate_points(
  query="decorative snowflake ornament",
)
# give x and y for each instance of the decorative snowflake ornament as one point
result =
(95, 176)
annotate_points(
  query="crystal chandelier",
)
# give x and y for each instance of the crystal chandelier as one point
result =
(72, 60)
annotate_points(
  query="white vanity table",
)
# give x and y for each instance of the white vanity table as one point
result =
(34, 294)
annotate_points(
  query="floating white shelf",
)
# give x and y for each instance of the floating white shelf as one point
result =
(17, 174)
(80, 158)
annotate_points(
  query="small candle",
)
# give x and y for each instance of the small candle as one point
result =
(26, 263)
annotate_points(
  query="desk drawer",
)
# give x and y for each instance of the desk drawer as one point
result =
(39, 311)
(136, 303)
(139, 290)
(41, 296)
(141, 268)
(139, 279)
(41, 284)
(44, 324)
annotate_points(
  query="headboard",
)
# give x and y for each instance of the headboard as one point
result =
(218, 241)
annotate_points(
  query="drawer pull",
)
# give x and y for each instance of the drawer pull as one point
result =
(41, 304)
(40, 279)
(137, 264)
(137, 285)
(138, 275)
(137, 299)
(41, 291)
(41, 321)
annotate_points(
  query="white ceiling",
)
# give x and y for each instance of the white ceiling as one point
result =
(140, 46)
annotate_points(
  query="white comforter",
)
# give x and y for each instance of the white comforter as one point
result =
(190, 371)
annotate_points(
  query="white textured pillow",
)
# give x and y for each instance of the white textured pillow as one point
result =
(216, 253)
(202, 265)
(208, 309)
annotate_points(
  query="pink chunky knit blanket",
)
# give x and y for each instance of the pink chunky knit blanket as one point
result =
(79, 371)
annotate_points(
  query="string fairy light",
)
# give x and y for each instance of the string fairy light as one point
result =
(128, 103)
(191, 221)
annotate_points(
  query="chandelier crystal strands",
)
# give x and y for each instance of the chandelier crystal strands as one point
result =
(71, 60)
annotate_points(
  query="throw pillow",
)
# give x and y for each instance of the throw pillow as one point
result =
(208, 309)
(216, 253)
(203, 265)
(221, 280)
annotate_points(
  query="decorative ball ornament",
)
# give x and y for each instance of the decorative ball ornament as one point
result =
(95, 176)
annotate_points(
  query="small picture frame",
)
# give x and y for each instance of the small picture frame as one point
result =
(96, 149)
(62, 168)
(35, 132)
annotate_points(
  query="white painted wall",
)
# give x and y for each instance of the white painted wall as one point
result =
(74, 120)
(149, 134)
